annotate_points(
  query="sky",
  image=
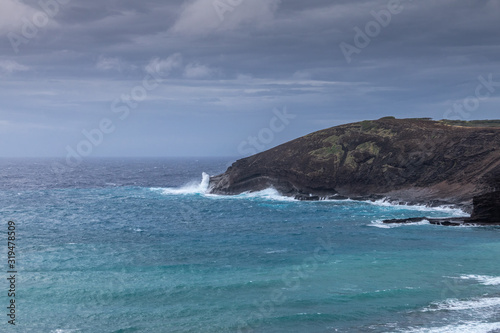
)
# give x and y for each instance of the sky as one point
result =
(92, 78)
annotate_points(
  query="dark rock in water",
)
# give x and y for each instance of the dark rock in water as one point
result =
(408, 160)
(367, 198)
(486, 212)
(446, 222)
(303, 197)
(409, 220)
(486, 208)
(337, 197)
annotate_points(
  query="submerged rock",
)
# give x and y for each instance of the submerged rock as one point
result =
(409, 220)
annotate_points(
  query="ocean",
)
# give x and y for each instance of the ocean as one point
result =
(137, 245)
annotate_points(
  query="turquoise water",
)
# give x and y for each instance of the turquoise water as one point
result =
(138, 246)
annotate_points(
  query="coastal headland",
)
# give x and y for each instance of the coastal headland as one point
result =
(415, 161)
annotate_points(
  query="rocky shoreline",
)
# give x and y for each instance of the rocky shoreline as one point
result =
(413, 161)
(468, 208)
(449, 222)
(486, 211)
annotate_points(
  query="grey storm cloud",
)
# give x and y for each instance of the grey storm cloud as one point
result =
(228, 63)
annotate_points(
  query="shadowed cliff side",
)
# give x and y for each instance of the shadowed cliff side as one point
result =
(415, 160)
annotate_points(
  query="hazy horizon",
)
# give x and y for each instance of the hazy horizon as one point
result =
(173, 157)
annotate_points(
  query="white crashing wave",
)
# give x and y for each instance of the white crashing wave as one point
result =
(382, 225)
(483, 279)
(445, 209)
(267, 194)
(270, 194)
(273, 194)
(458, 305)
(190, 188)
(463, 327)
(203, 187)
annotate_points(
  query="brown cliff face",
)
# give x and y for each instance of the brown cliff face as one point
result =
(416, 160)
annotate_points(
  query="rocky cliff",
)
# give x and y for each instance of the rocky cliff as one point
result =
(415, 160)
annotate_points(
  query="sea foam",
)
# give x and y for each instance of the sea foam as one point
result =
(459, 305)
(189, 188)
(472, 326)
(267, 194)
(382, 225)
(483, 279)
(272, 194)
(449, 210)
(202, 188)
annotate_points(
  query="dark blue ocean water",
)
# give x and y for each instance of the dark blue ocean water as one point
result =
(124, 245)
